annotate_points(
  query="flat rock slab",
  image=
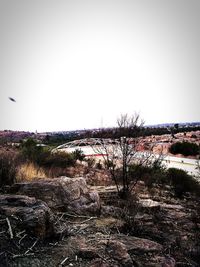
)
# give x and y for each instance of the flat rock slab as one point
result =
(140, 244)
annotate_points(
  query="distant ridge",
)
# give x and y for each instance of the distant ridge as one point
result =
(181, 124)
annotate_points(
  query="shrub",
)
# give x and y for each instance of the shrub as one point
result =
(8, 168)
(90, 162)
(182, 182)
(99, 165)
(154, 173)
(43, 157)
(184, 148)
(130, 207)
(78, 155)
(30, 150)
(60, 159)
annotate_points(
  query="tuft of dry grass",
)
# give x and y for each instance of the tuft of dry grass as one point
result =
(108, 222)
(29, 172)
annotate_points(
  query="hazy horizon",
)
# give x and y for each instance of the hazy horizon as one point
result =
(80, 64)
(83, 129)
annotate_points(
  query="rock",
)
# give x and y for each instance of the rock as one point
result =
(62, 193)
(27, 213)
(142, 245)
(168, 262)
(100, 263)
(118, 251)
(111, 211)
(149, 204)
(87, 252)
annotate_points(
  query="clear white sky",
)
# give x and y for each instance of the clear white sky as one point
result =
(73, 64)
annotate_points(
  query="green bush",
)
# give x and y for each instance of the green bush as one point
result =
(42, 156)
(182, 182)
(152, 174)
(185, 148)
(30, 150)
(78, 155)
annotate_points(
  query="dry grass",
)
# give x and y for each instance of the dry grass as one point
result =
(29, 172)
(108, 222)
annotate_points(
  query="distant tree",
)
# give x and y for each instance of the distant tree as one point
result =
(176, 126)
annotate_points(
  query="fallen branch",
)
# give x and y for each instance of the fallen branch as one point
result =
(9, 228)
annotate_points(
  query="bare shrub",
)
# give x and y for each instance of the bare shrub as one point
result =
(8, 167)
(119, 154)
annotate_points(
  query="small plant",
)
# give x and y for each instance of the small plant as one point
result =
(99, 165)
(78, 155)
(130, 210)
(90, 162)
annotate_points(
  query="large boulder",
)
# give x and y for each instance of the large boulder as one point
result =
(64, 193)
(23, 212)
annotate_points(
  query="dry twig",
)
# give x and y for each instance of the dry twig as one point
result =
(31, 247)
(65, 259)
(22, 238)
(9, 228)
(22, 255)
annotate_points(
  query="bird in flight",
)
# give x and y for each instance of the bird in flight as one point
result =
(12, 99)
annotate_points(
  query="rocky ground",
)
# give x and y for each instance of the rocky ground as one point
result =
(62, 222)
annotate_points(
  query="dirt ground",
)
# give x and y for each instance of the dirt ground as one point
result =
(170, 229)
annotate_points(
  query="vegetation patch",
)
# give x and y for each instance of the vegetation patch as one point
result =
(8, 167)
(182, 182)
(185, 148)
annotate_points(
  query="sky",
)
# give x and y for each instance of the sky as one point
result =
(79, 64)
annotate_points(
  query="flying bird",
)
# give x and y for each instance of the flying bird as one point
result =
(12, 99)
